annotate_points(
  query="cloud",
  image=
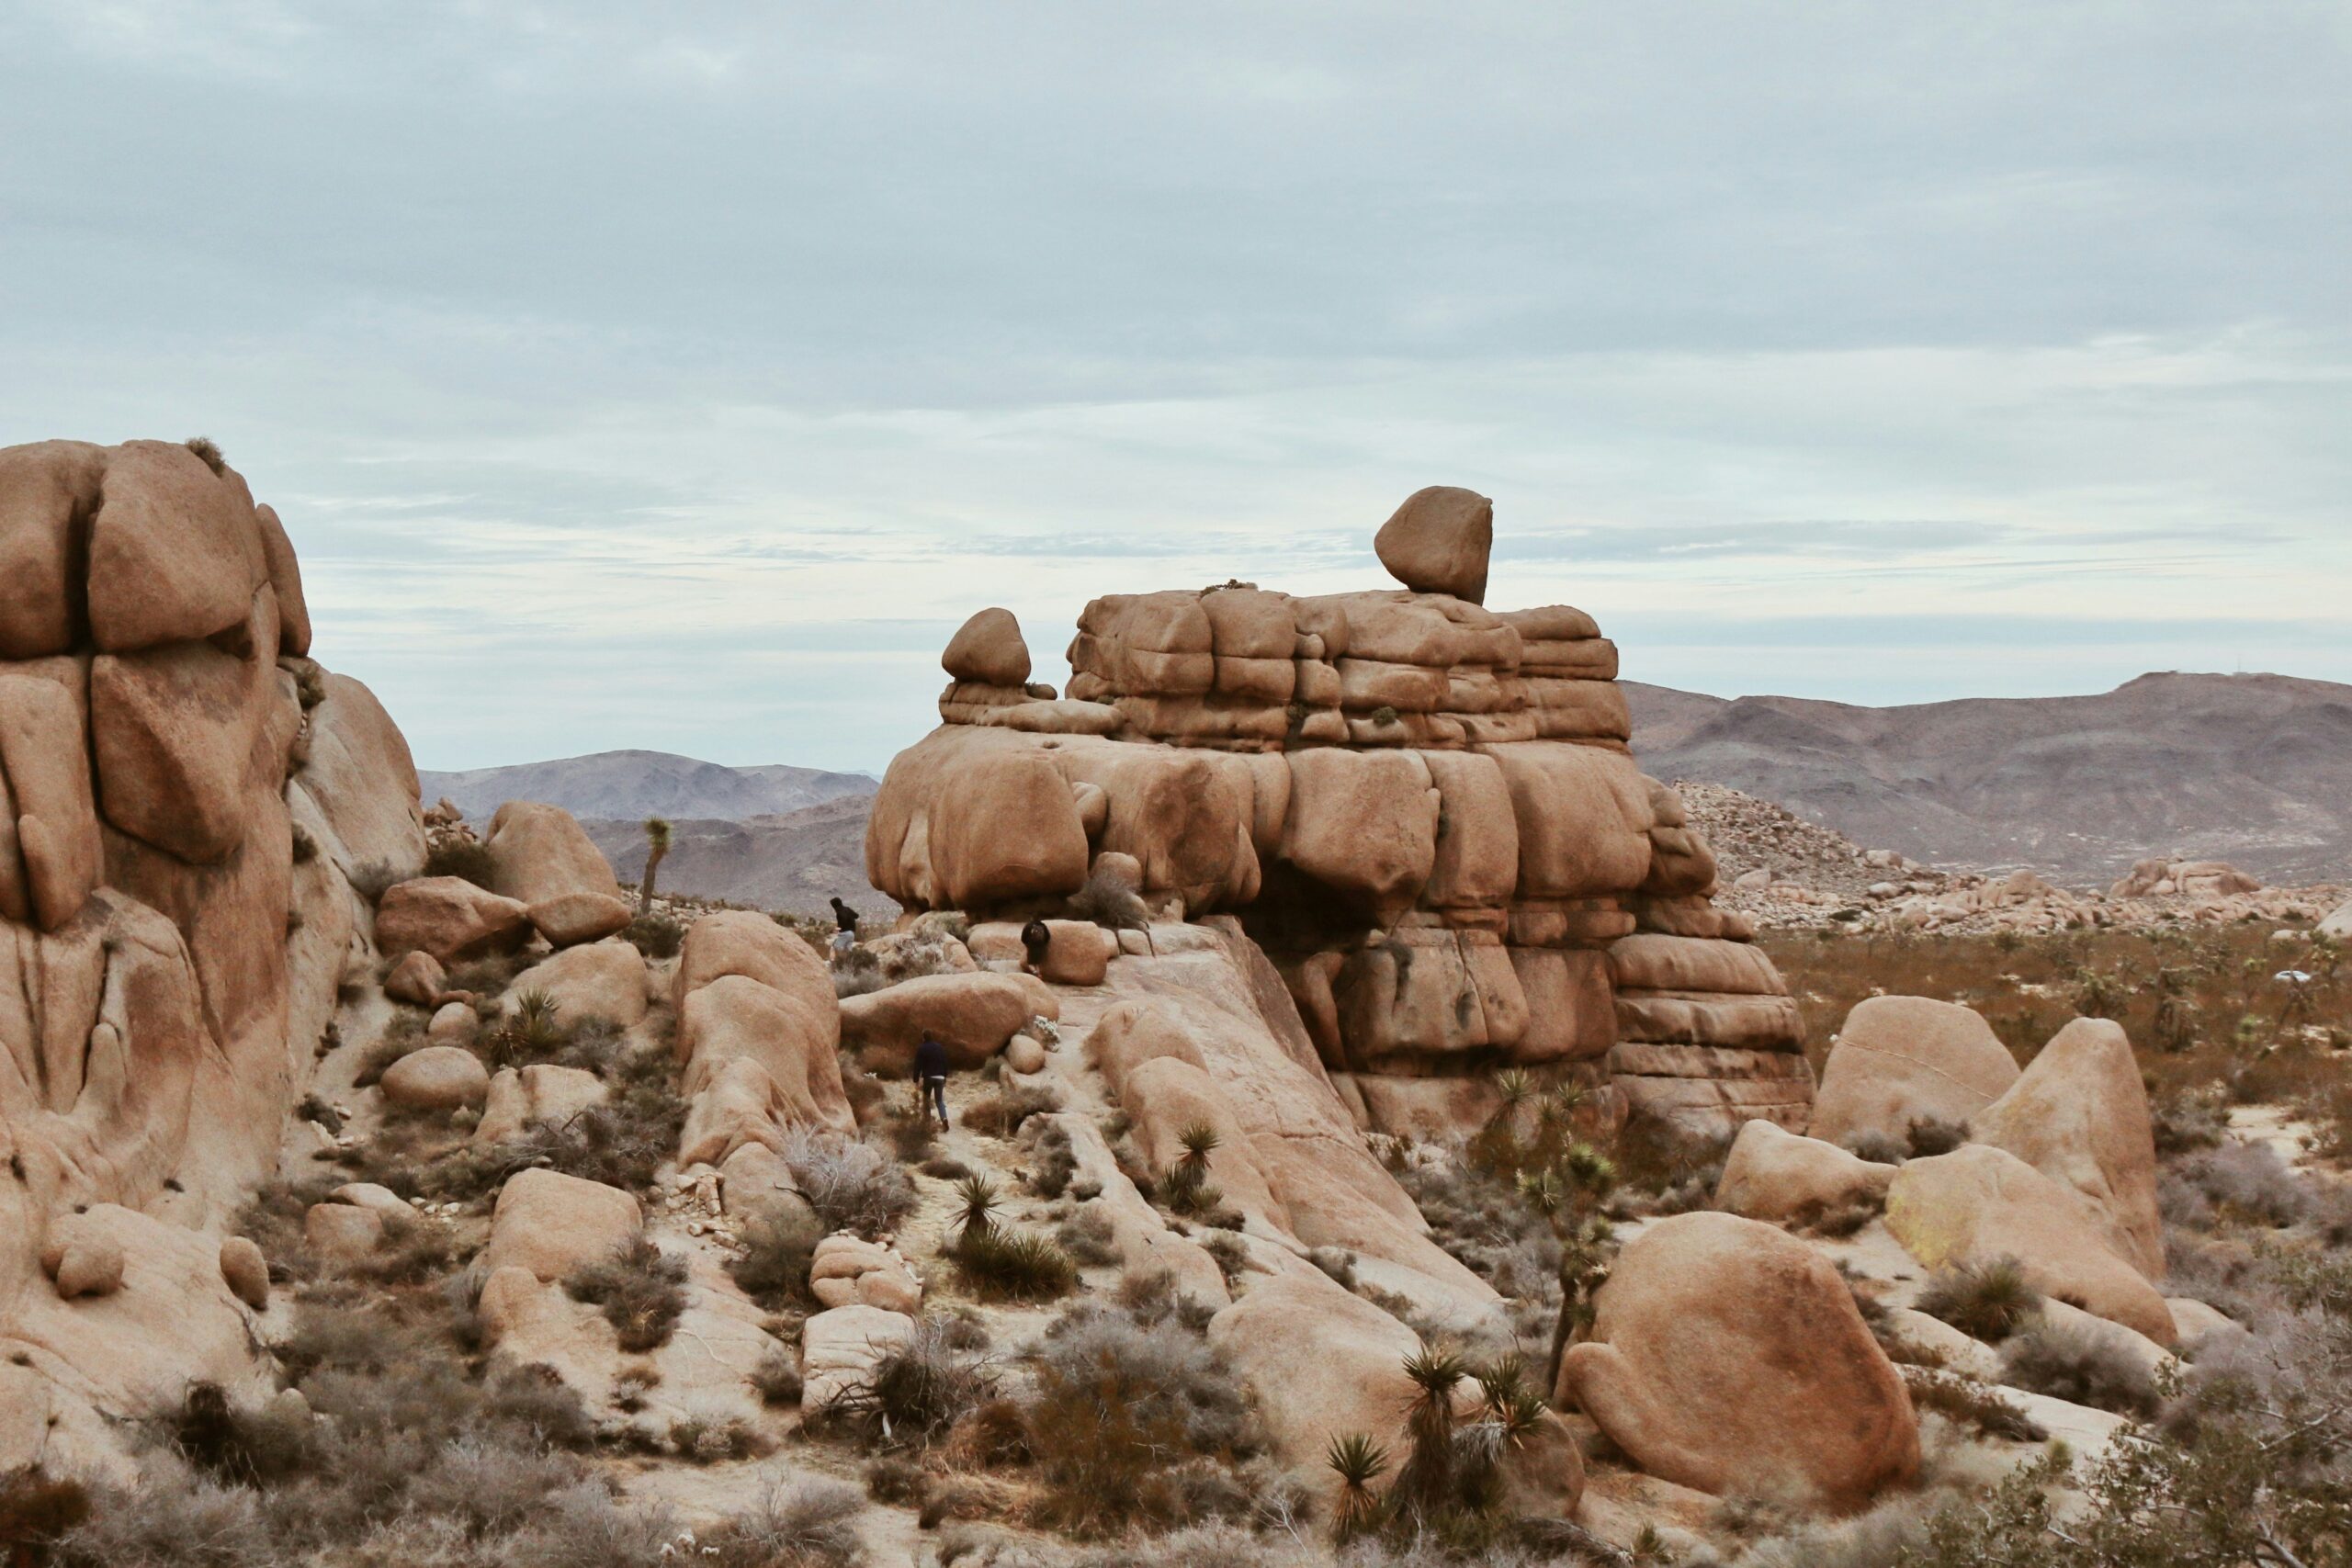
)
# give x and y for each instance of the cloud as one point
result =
(682, 376)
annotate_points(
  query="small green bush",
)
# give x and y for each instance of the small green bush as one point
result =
(461, 857)
(1000, 1264)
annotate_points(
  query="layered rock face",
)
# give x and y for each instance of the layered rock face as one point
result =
(1424, 810)
(183, 797)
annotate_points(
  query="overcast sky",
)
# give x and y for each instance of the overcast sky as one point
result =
(681, 376)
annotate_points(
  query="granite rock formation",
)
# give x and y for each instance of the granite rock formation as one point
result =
(1424, 811)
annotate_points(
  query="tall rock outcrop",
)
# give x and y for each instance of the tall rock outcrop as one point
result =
(1426, 812)
(184, 797)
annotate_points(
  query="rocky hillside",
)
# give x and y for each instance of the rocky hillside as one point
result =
(2252, 769)
(633, 785)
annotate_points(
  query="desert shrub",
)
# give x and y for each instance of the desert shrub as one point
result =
(1878, 1148)
(656, 934)
(1135, 1425)
(403, 1035)
(371, 879)
(2250, 1180)
(777, 1379)
(1001, 1264)
(2078, 1363)
(1930, 1135)
(1056, 1162)
(1335, 1261)
(1108, 900)
(1986, 1301)
(1001, 1113)
(641, 1288)
(1971, 1405)
(945, 1168)
(1230, 1253)
(1487, 1221)
(912, 1132)
(851, 1185)
(35, 1511)
(170, 1522)
(461, 857)
(806, 1523)
(708, 1436)
(1089, 1238)
(206, 450)
(1817, 1217)
(779, 1242)
(1152, 1297)
(916, 1392)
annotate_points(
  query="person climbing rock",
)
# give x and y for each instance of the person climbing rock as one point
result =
(931, 1077)
(1036, 939)
(846, 918)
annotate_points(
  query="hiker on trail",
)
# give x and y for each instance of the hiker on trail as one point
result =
(931, 1077)
(1037, 939)
(846, 917)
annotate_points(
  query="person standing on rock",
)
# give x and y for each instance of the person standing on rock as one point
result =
(931, 1077)
(846, 937)
(1036, 939)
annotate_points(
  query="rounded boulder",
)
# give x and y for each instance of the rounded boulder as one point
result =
(1904, 1059)
(987, 649)
(437, 1078)
(1727, 1355)
(1439, 542)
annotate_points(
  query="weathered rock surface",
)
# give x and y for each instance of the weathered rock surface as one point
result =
(848, 1271)
(2079, 1115)
(972, 1015)
(1978, 1204)
(1776, 1176)
(183, 804)
(551, 1224)
(840, 1347)
(597, 979)
(1425, 810)
(539, 855)
(436, 1078)
(1905, 1059)
(1727, 1355)
(758, 1028)
(541, 1092)
(450, 920)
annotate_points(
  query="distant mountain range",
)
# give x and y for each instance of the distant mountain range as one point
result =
(2252, 769)
(644, 784)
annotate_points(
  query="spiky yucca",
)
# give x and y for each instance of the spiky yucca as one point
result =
(1358, 1461)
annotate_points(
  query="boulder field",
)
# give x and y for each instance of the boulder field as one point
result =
(1423, 811)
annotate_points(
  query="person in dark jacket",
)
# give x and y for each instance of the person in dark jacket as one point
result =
(846, 917)
(930, 1076)
(1037, 939)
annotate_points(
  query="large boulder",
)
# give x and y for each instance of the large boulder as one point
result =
(50, 851)
(737, 1019)
(1905, 1059)
(2079, 1116)
(175, 555)
(746, 942)
(551, 1224)
(987, 649)
(1979, 1203)
(1325, 1363)
(437, 1078)
(1773, 1175)
(48, 490)
(450, 918)
(1727, 1355)
(537, 853)
(1438, 542)
(972, 1015)
(601, 980)
(541, 1092)
(570, 918)
(841, 1347)
(846, 1271)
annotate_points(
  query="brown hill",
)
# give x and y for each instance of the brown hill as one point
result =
(2252, 769)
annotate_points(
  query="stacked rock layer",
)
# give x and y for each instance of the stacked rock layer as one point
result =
(184, 797)
(1425, 811)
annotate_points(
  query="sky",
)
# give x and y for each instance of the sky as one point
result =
(680, 377)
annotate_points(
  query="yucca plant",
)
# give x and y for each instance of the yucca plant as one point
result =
(1358, 1461)
(657, 845)
(1425, 1483)
(535, 1021)
(1187, 1181)
(976, 1199)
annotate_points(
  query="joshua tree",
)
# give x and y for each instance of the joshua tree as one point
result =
(657, 844)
